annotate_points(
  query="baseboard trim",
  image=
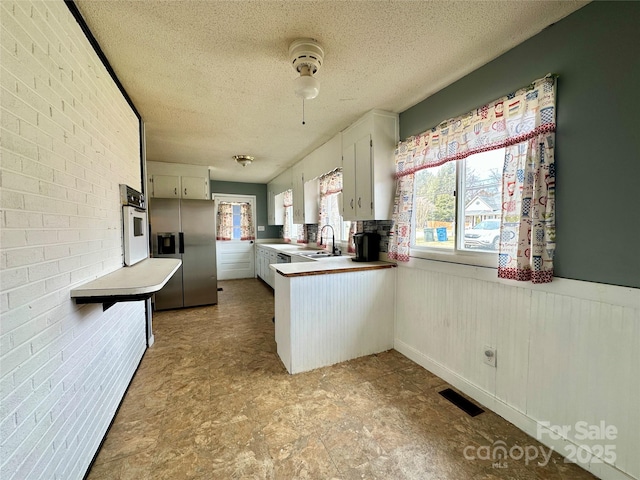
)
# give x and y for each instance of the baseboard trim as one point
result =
(602, 470)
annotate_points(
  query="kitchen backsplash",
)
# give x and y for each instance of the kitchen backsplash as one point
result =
(381, 227)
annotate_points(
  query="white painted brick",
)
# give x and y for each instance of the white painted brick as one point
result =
(49, 126)
(10, 161)
(21, 219)
(69, 264)
(52, 190)
(34, 134)
(51, 159)
(52, 252)
(23, 295)
(18, 144)
(12, 99)
(56, 283)
(66, 208)
(58, 221)
(12, 238)
(12, 360)
(41, 237)
(43, 271)
(9, 122)
(76, 196)
(63, 178)
(37, 170)
(100, 151)
(16, 181)
(11, 200)
(4, 303)
(24, 256)
(13, 278)
(38, 203)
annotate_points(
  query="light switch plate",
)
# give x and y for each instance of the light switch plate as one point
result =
(261, 228)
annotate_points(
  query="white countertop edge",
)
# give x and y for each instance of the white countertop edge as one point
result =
(145, 277)
(341, 264)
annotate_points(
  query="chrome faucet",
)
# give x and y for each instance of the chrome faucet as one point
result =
(334, 250)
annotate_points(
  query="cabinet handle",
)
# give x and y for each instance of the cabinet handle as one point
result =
(359, 202)
(175, 191)
(352, 204)
(185, 192)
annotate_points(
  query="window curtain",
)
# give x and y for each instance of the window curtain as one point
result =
(329, 211)
(524, 123)
(246, 222)
(224, 226)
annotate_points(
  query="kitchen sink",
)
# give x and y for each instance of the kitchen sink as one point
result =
(317, 254)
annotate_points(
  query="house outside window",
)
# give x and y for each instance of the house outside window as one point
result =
(466, 223)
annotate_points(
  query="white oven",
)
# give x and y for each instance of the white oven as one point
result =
(135, 227)
(136, 239)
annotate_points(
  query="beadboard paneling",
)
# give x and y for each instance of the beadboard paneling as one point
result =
(562, 357)
(334, 318)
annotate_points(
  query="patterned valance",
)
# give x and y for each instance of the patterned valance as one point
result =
(507, 121)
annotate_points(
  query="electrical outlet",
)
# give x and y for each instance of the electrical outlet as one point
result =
(489, 355)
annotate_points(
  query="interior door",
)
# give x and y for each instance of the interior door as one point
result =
(236, 257)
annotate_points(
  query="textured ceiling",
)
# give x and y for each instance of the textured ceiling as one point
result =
(213, 79)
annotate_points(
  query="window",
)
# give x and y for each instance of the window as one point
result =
(331, 207)
(465, 223)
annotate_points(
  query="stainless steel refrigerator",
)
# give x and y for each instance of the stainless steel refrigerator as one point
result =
(185, 229)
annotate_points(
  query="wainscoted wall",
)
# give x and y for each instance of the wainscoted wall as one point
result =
(567, 352)
(68, 139)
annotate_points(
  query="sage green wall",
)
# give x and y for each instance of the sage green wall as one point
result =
(257, 189)
(596, 52)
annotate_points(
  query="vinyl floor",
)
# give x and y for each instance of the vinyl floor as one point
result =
(211, 400)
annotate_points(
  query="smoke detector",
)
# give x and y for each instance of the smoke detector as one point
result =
(243, 160)
(306, 57)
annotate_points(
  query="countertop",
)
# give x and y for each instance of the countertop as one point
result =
(143, 278)
(320, 266)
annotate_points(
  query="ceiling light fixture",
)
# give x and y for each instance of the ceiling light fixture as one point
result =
(306, 57)
(244, 160)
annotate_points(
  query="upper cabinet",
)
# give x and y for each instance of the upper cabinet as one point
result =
(275, 206)
(368, 183)
(173, 180)
(174, 186)
(298, 193)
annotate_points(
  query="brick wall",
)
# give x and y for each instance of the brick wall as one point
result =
(68, 138)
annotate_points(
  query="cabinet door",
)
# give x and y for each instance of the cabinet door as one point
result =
(364, 179)
(349, 182)
(298, 196)
(271, 208)
(194, 188)
(166, 186)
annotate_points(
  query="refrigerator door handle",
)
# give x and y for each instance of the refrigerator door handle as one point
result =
(181, 242)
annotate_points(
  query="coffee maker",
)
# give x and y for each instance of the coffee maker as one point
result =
(367, 246)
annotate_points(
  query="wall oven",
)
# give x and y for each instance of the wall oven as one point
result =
(135, 226)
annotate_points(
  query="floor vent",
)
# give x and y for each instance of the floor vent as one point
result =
(462, 403)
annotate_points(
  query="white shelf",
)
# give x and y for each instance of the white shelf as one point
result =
(127, 284)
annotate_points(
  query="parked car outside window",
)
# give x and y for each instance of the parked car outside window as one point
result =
(485, 235)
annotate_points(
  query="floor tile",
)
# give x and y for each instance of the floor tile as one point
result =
(211, 400)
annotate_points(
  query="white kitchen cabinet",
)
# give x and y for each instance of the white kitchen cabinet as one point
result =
(298, 193)
(312, 201)
(175, 186)
(165, 186)
(368, 182)
(275, 206)
(264, 257)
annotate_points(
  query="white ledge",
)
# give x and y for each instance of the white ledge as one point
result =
(143, 278)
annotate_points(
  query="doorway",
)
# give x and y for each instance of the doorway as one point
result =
(235, 235)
